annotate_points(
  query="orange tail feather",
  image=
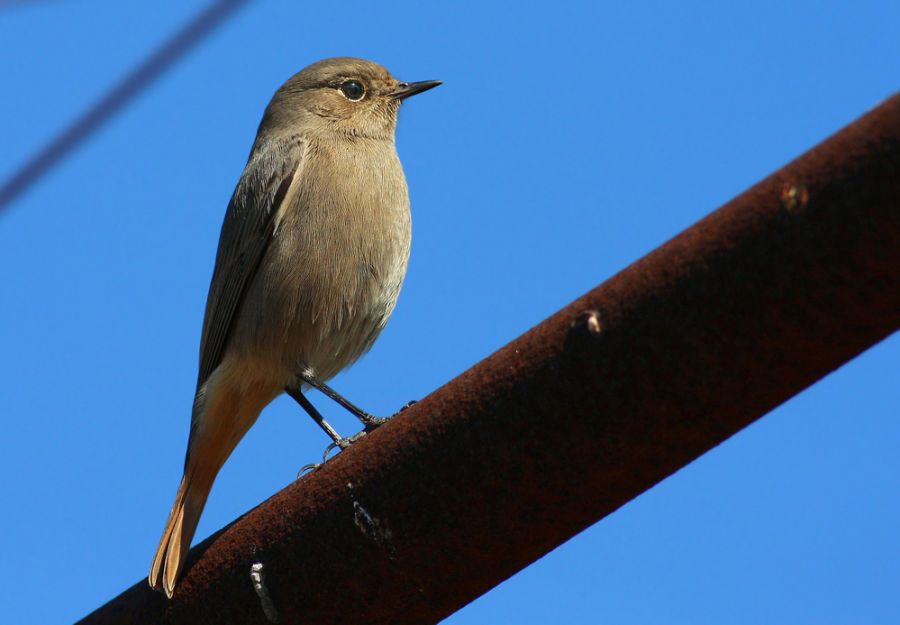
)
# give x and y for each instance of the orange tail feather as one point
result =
(176, 539)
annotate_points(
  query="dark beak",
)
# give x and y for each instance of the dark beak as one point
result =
(407, 89)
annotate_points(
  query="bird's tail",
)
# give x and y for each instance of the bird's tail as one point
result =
(224, 410)
(176, 539)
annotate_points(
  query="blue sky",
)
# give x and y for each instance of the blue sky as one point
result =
(567, 141)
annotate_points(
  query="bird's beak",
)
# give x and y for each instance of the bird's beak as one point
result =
(407, 89)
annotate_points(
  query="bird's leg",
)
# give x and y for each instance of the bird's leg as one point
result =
(301, 399)
(338, 440)
(369, 421)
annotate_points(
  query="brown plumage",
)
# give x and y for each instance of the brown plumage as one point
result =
(311, 257)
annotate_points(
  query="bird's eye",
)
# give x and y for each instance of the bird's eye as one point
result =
(353, 91)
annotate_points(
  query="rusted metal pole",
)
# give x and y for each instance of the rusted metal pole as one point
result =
(581, 414)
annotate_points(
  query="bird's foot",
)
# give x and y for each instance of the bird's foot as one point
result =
(340, 443)
(369, 421)
(343, 443)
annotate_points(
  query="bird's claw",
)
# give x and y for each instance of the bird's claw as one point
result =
(371, 422)
(374, 422)
(308, 468)
(343, 443)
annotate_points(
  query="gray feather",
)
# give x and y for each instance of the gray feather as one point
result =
(250, 222)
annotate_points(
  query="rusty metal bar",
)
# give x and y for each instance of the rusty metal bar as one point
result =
(113, 101)
(581, 414)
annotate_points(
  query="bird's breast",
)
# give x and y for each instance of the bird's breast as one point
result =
(339, 255)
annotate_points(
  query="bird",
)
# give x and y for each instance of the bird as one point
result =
(311, 257)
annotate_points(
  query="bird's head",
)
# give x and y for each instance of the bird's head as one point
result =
(345, 95)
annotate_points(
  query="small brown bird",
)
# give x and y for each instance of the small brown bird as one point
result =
(311, 257)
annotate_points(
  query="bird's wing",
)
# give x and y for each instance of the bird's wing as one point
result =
(250, 222)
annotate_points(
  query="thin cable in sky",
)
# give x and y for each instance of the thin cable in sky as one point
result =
(114, 100)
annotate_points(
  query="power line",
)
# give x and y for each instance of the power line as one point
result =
(586, 411)
(5, 4)
(132, 85)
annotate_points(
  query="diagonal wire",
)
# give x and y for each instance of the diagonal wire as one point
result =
(9, 3)
(132, 85)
